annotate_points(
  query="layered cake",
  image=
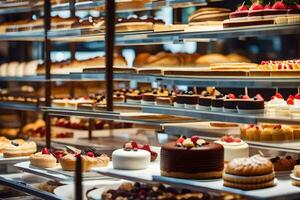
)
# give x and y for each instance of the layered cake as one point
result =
(131, 159)
(233, 148)
(277, 106)
(149, 98)
(204, 101)
(230, 103)
(192, 158)
(248, 105)
(186, 100)
(251, 173)
(217, 103)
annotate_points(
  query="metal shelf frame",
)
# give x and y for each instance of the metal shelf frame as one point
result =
(27, 189)
(219, 82)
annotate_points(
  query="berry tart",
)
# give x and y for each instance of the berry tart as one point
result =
(254, 105)
(251, 173)
(43, 159)
(186, 100)
(192, 158)
(89, 158)
(233, 148)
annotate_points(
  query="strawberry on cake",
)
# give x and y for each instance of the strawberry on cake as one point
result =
(247, 105)
(295, 105)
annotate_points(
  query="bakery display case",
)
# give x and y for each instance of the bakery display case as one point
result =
(139, 119)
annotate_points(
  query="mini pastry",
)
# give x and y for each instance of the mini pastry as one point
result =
(256, 11)
(18, 148)
(89, 158)
(43, 159)
(279, 9)
(134, 97)
(118, 97)
(251, 173)
(204, 102)
(278, 134)
(217, 103)
(230, 103)
(186, 100)
(164, 101)
(192, 158)
(266, 134)
(130, 159)
(233, 148)
(283, 164)
(253, 132)
(251, 106)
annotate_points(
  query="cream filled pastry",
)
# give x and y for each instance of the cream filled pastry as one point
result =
(17, 148)
(233, 148)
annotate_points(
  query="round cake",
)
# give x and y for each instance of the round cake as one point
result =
(233, 148)
(131, 159)
(251, 173)
(192, 158)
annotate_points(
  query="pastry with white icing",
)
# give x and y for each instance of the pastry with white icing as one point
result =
(131, 159)
(233, 148)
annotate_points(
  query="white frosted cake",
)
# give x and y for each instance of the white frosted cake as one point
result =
(131, 159)
(233, 148)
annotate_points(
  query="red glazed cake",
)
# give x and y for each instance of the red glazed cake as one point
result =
(192, 158)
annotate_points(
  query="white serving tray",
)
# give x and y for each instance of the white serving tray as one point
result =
(13, 160)
(283, 188)
(57, 173)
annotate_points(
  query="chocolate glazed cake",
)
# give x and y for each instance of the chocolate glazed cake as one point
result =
(199, 162)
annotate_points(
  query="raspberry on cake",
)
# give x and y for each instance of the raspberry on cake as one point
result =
(192, 158)
(230, 103)
(247, 105)
(43, 159)
(233, 148)
(251, 173)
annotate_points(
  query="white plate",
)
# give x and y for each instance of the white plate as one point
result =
(294, 177)
(67, 191)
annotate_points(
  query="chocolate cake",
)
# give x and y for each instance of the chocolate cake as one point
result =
(192, 158)
(254, 105)
(204, 102)
(217, 103)
(187, 100)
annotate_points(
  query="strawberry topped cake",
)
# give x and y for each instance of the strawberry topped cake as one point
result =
(256, 11)
(277, 106)
(278, 9)
(43, 159)
(192, 158)
(247, 105)
(233, 147)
